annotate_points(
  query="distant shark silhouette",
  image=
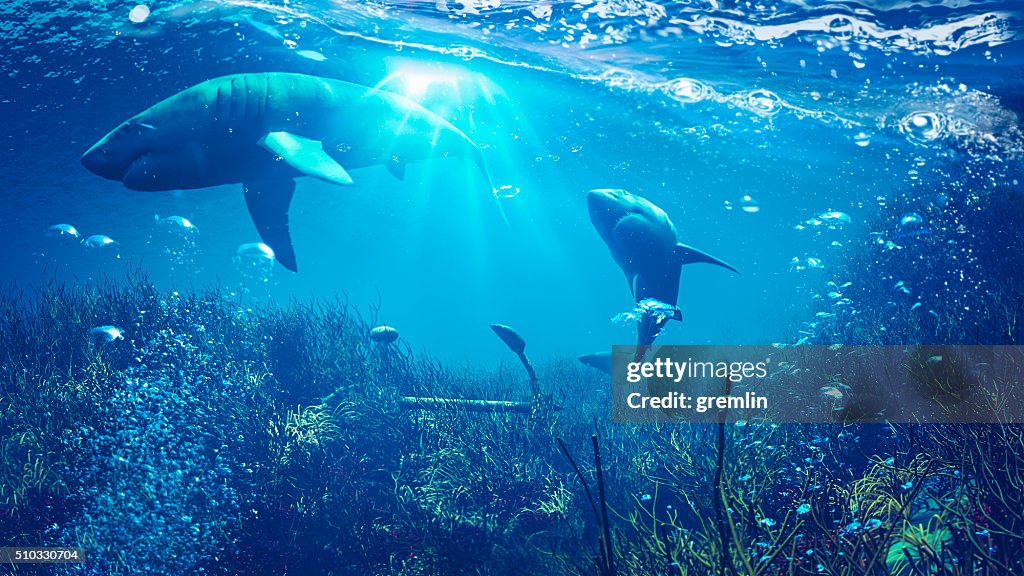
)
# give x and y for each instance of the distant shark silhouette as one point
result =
(598, 360)
(643, 243)
(263, 131)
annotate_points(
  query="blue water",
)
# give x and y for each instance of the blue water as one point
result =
(859, 163)
(803, 109)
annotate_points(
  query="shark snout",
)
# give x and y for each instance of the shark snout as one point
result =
(606, 204)
(101, 162)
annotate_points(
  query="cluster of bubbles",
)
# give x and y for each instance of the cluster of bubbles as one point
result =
(177, 238)
(746, 203)
(797, 264)
(156, 478)
(658, 310)
(255, 262)
(911, 225)
(828, 220)
(64, 240)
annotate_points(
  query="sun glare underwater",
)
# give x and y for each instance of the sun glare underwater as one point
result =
(331, 287)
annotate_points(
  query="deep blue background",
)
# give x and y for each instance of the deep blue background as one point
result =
(432, 249)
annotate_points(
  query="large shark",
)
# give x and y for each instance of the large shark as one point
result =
(642, 240)
(263, 131)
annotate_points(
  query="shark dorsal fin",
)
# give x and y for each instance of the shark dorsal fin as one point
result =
(689, 255)
(307, 156)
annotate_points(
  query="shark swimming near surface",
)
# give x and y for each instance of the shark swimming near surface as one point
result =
(263, 131)
(643, 242)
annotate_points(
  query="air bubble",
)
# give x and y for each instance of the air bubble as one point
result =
(841, 27)
(62, 231)
(764, 102)
(255, 261)
(749, 205)
(178, 224)
(686, 90)
(505, 192)
(911, 219)
(923, 128)
(99, 241)
(139, 14)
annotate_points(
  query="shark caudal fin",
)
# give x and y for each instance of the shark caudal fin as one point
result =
(268, 199)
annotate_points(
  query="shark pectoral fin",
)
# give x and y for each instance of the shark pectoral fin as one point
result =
(396, 167)
(307, 156)
(268, 199)
(689, 255)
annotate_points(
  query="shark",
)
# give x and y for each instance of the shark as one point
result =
(264, 130)
(643, 242)
(601, 361)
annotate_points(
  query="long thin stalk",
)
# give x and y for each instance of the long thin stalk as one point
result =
(719, 488)
(469, 405)
(609, 555)
(590, 499)
(586, 489)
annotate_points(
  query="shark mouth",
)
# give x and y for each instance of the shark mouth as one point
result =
(138, 175)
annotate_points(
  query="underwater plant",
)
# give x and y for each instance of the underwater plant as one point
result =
(259, 438)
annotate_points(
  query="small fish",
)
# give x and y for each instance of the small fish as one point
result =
(384, 334)
(265, 28)
(106, 334)
(510, 337)
(832, 392)
(311, 55)
(901, 286)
